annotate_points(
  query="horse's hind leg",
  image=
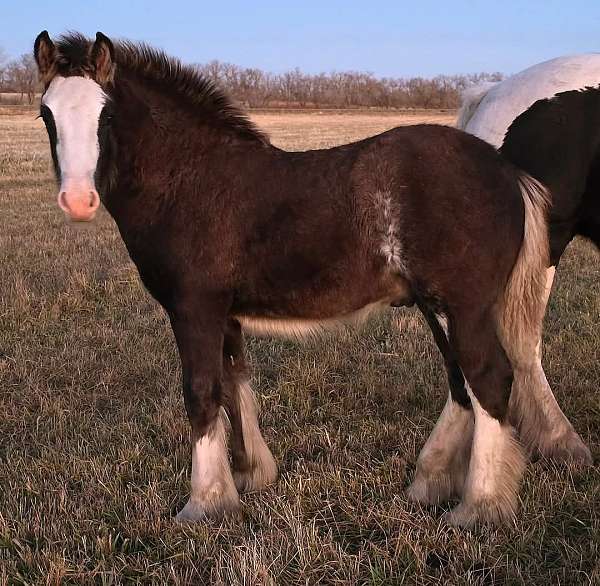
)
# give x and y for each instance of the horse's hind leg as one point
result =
(253, 464)
(443, 462)
(496, 464)
(535, 412)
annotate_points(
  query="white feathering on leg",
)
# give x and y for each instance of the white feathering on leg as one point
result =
(213, 491)
(495, 470)
(262, 469)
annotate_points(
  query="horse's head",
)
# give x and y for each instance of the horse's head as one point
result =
(75, 109)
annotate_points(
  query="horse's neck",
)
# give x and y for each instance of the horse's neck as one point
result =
(152, 167)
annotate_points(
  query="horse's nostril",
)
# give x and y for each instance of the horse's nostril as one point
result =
(92, 199)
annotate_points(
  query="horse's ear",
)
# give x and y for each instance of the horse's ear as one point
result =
(102, 56)
(45, 54)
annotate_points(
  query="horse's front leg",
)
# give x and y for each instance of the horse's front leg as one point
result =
(199, 335)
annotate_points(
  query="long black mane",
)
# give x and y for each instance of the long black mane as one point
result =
(552, 110)
(167, 73)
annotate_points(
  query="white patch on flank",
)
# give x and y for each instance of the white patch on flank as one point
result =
(76, 104)
(389, 229)
(504, 101)
(213, 490)
(263, 468)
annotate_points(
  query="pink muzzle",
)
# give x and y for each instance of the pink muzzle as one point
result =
(79, 200)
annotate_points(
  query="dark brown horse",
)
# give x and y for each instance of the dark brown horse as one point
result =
(230, 233)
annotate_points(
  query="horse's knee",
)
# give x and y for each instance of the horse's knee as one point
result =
(456, 382)
(202, 398)
(485, 365)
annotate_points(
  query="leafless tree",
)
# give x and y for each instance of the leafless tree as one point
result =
(20, 76)
(256, 88)
(3, 60)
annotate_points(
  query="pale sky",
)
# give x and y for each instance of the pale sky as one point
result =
(392, 38)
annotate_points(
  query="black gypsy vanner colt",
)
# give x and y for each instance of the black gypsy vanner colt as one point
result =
(230, 233)
(546, 120)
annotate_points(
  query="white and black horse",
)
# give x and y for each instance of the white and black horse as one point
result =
(229, 232)
(546, 120)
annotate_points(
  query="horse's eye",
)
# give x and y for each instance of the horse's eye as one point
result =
(105, 120)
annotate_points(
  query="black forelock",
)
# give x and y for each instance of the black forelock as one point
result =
(73, 53)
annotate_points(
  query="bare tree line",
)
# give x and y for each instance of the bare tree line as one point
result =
(255, 88)
(350, 89)
(19, 76)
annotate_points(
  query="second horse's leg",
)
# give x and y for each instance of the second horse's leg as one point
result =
(537, 415)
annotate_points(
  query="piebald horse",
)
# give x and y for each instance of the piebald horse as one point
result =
(546, 120)
(230, 233)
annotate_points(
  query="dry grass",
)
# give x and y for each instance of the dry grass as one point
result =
(302, 130)
(94, 449)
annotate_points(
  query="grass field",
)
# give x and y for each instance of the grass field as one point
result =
(94, 449)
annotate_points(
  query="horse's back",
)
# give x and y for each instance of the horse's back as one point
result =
(504, 101)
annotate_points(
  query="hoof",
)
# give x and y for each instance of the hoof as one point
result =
(569, 449)
(209, 510)
(431, 490)
(260, 474)
(487, 512)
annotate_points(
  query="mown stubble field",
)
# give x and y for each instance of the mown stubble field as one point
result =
(94, 449)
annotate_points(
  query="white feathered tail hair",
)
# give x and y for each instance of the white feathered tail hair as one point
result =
(522, 307)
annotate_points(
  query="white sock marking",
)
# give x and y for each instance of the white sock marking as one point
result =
(495, 469)
(213, 490)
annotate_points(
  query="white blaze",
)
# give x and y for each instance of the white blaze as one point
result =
(76, 104)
